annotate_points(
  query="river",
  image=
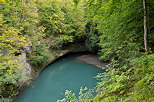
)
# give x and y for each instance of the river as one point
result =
(64, 74)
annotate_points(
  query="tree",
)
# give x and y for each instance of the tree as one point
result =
(145, 26)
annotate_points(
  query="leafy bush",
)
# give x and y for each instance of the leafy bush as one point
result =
(39, 54)
(5, 100)
(92, 37)
(85, 95)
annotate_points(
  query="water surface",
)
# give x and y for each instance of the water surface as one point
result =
(64, 74)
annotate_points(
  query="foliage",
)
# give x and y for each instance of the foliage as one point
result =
(85, 95)
(117, 29)
(2, 0)
(51, 16)
(92, 37)
(58, 17)
(136, 84)
(11, 42)
(5, 100)
(59, 42)
(39, 53)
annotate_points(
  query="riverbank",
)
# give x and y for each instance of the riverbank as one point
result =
(91, 59)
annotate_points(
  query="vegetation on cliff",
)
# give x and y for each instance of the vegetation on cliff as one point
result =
(121, 31)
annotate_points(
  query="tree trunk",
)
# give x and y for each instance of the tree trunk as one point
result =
(145, 27)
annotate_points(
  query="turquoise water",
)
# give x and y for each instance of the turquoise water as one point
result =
(64, 74)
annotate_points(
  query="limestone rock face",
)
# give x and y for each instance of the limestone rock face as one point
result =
(27, 70)
(91, 59)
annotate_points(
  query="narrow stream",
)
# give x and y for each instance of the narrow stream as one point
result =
(64, 74)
